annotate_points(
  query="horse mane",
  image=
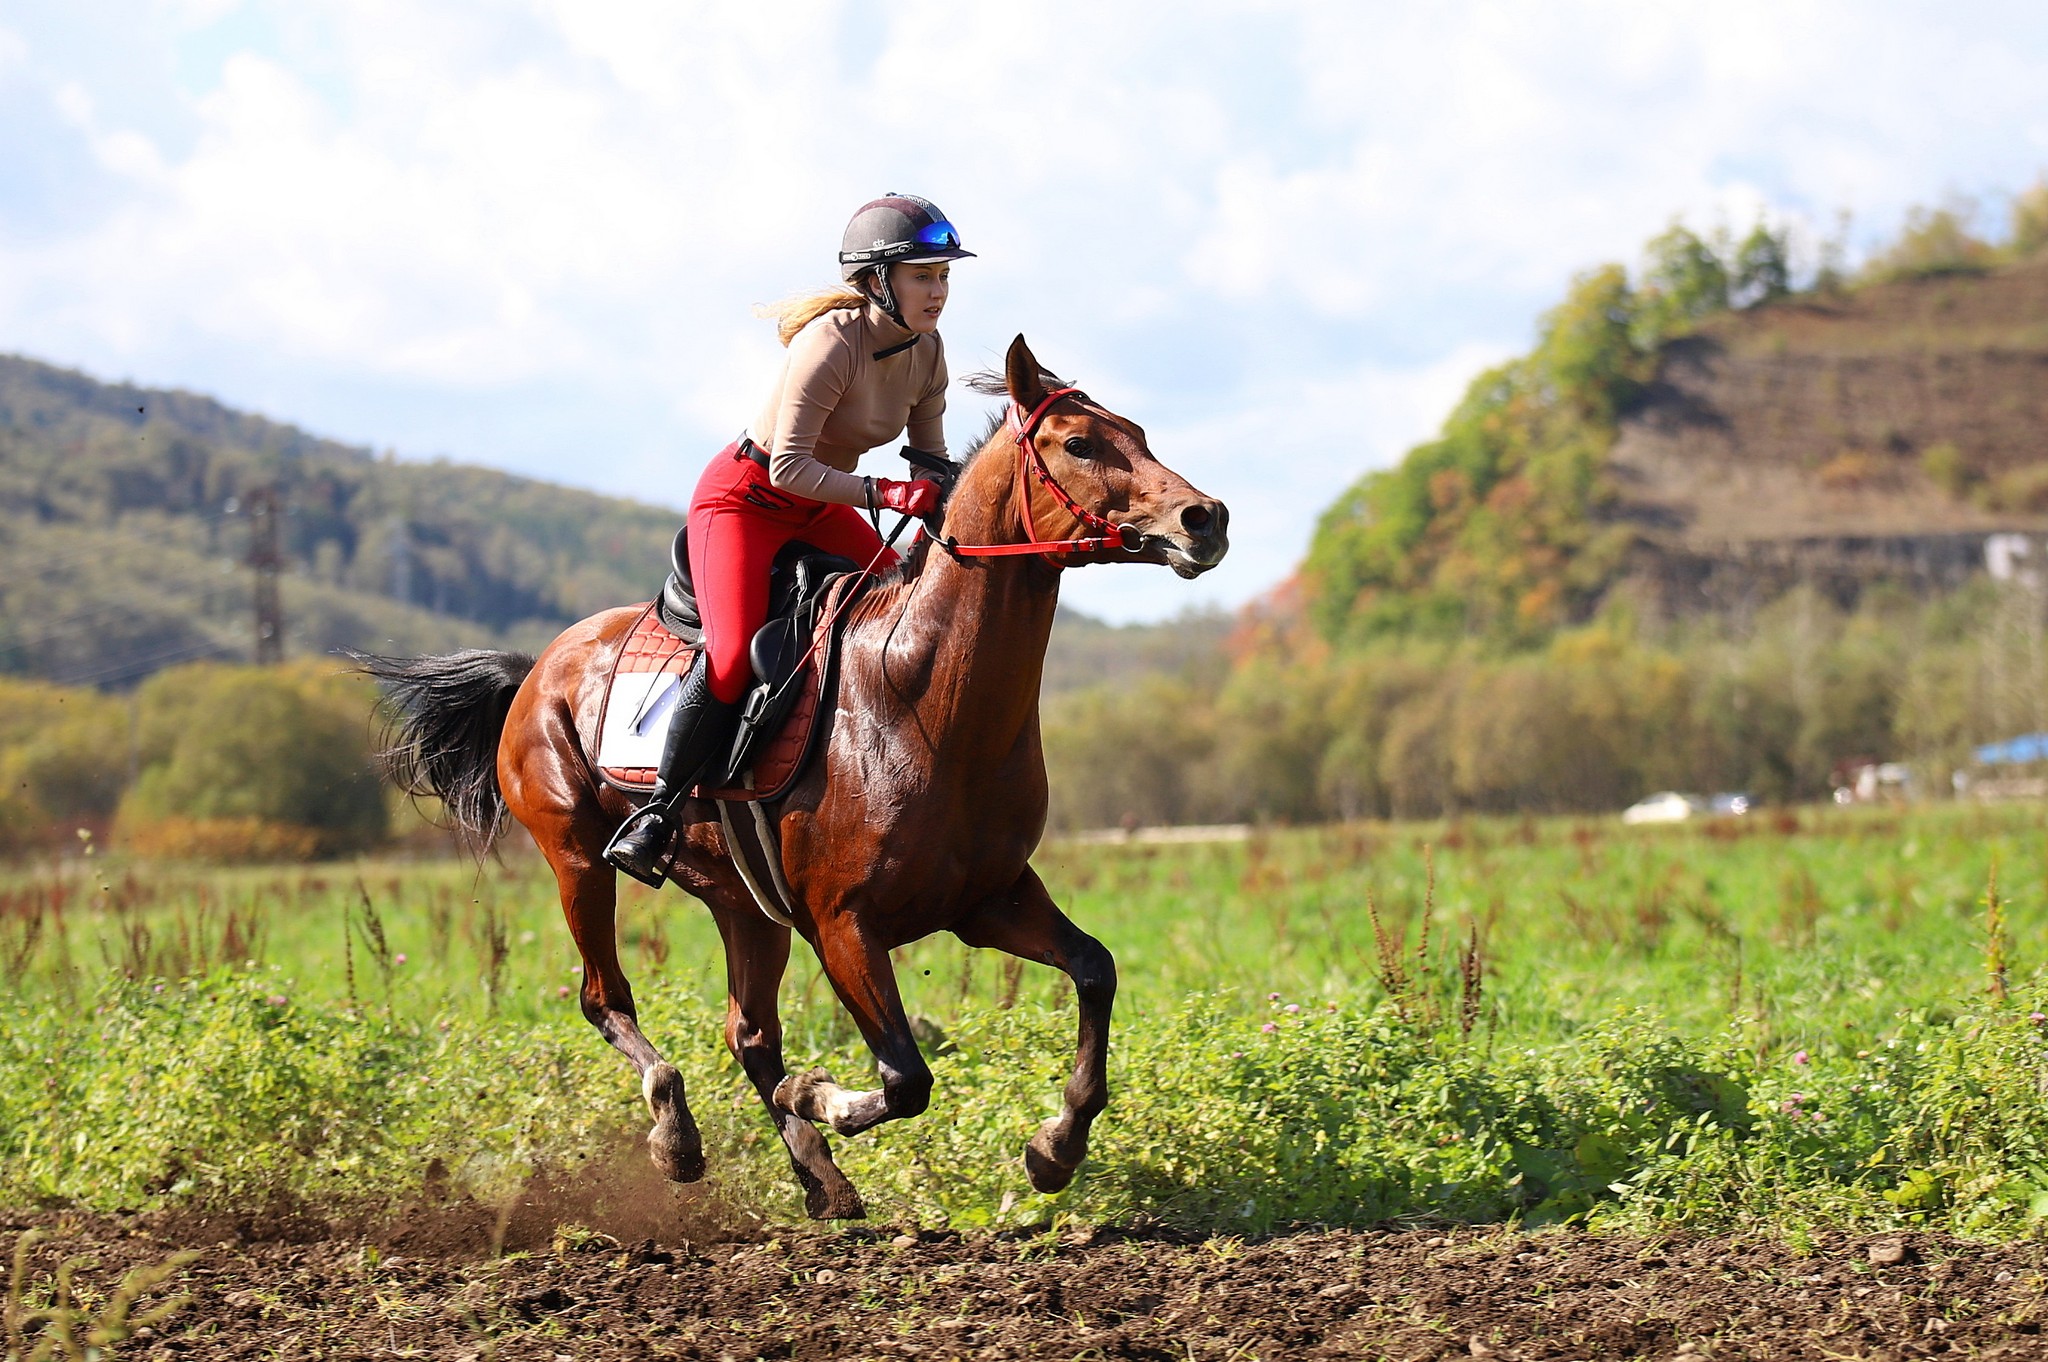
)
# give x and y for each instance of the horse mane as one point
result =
(991, 383)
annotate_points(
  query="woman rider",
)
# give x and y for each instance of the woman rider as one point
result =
(865, 363)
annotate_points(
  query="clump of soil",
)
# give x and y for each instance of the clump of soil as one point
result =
(429, 1287)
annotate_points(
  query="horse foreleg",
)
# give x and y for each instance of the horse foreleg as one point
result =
(589, 891)
(862, 976)
(756, 953)
(1026, 922)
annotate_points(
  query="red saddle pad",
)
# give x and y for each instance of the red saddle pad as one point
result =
(640, 697)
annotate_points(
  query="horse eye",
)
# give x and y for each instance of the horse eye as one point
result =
(1079, 447)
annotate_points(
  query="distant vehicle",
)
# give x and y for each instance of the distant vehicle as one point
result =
(1873, 782)
(2025, 750)
(2014, 769)
(1667, 806)
(1730, 805)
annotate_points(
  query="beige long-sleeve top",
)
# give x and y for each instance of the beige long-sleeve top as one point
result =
(835, 401)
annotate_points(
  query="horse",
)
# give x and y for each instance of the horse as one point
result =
(918, 814)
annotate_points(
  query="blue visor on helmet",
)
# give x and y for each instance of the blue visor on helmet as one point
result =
(941, 235)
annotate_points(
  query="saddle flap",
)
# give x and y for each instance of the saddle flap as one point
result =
(773, 749)
(776, 649)
(815, 571)
(800, 577)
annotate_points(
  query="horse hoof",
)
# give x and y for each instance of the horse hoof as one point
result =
(797, 1093)
(674, 1145)
(676, 1155)
(1047, 1173)
(834, 1203)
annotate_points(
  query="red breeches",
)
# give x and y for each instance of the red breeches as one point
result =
(738, 523)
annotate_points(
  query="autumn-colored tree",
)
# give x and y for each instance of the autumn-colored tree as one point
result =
(258, 747)
(1490, 528)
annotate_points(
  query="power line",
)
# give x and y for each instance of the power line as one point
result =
(144, 663)
(162, 533)
(89, 552)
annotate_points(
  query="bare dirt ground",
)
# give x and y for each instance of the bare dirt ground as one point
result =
(429, 1286)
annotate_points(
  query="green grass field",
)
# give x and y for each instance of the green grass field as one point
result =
(1784, 1022)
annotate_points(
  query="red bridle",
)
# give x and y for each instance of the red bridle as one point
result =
(1109, 535)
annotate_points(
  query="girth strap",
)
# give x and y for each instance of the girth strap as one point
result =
(739, 860)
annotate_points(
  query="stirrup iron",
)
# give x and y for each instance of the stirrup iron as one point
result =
(643, 847)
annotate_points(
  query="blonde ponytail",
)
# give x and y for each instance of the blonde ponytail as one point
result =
(793, 314)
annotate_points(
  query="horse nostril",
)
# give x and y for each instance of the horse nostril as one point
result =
(1195, 520)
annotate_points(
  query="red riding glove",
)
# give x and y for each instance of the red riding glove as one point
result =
(920, 498)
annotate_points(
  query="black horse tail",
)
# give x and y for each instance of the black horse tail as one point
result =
(442, 720)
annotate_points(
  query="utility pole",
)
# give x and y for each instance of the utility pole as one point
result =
(267, 559)
(401, 560)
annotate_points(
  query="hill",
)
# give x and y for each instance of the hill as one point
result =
(124, 533)
(1709, 433)
(1087, 652)
(1880, 434)
(1714, 531)
(123, 530)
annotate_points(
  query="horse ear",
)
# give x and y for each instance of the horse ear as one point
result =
(1022, 375)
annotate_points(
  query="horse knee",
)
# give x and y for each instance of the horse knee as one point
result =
(907, 1091)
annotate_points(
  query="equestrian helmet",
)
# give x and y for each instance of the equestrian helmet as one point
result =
(897, 228)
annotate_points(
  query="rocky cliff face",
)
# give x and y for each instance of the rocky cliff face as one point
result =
(1884, 435)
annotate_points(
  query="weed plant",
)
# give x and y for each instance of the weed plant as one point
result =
(67, 1321)
(1828, 1018)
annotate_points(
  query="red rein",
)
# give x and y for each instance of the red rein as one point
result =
(1109, 535)
(1021, 426)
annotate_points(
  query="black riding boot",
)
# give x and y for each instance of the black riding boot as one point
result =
(699, 735)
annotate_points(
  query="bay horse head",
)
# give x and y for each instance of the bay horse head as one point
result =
(1086, 477)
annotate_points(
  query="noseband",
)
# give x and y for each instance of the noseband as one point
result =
(1108, 534)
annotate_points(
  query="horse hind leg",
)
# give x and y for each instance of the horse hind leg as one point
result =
(589, 890)
(1026, 923)
(674, 1143)
(756, 953)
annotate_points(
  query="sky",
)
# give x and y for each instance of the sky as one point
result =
(1281, 236)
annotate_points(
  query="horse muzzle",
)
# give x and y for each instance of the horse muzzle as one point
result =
(1199, 541)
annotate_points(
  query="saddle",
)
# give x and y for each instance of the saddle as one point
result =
(792, 656)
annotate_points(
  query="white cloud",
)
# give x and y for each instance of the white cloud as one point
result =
(532, 235)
